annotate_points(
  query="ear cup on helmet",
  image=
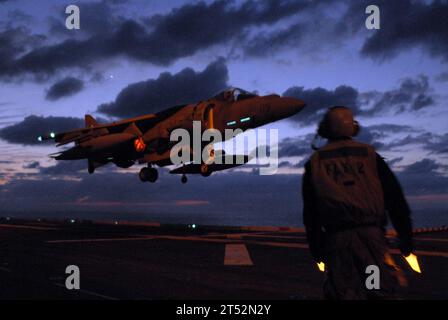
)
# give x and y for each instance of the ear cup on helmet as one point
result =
(322, 129)
(356, 128)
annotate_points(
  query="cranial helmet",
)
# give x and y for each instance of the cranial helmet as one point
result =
(338, 122)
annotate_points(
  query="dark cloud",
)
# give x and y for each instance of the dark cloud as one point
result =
(296, 146)
(179, 33)
(442, 77)
(168, 90)
(394, 161)
(15, 41)
(96, 18)
(318, 100)
(369, 136)
(405, 24)
(264, 44)
(27, 131)
(375, 133)
(16, 18)
(423, 177)
(425, 166)
(64, 88)
(193, 27)
(429, 141)
(438, 145)
(250, 26)
(413, 94)
(384, 129)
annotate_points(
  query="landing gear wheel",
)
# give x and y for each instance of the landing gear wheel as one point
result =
(184, 179)
(153, 175)
(142, 174)
(148, 175)
(90, 167)
(205, 170)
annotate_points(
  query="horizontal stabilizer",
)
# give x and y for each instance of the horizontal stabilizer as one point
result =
(55, 155)
(232, 162)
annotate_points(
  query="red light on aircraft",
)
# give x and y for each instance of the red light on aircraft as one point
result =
(139, 145)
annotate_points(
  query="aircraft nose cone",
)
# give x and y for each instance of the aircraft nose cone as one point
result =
(284, 107)
(292, 105)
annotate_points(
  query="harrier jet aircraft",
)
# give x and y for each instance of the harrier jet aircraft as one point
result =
(146, 139)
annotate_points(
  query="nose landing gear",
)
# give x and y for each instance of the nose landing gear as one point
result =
(205, 170)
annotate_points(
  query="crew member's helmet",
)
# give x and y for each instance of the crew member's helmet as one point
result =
(338, 122)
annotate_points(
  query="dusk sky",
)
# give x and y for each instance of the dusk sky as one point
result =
(131, 58)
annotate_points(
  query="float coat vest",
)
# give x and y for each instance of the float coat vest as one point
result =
(347, 186)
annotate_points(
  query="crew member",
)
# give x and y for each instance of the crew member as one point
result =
(348, 192)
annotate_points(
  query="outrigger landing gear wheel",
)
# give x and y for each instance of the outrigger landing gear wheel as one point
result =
(205, 170)
(184, 179)
(90, 167)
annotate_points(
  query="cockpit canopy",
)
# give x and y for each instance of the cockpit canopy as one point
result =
(234, 94)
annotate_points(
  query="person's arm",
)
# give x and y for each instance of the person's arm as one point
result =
(313, 229)
(396, 205)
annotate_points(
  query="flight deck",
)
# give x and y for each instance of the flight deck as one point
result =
(122, 260)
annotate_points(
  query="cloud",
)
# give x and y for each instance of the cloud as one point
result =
(378, 135)
(413, 94)
(167, 90)
(424, 166)
(15, 41)
(385, 129)
(64, 88)
(257, 28)
(27, 131)
(96, 18)
(434, 143)
(442, 77)
(423, 177)
(318, 100)
(194, 27)
(269, 43)
(296, 146)
(374, 134)
(394, 161)
(438, 145)
(180, 33)
(407, 24)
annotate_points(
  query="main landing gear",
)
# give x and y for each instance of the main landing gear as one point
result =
(148, 175)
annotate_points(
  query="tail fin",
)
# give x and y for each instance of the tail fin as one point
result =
(90, 121)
